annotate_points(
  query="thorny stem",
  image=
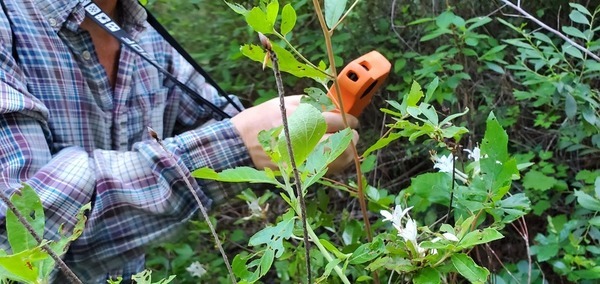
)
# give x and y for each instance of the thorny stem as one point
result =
(154, 135)
(548, 28)
(61, 264)
(286, 130)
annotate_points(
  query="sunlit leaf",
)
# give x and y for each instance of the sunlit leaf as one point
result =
(29, 205)
(239, 174)
(272, 11)
(287, 62)
(306, 126)
(259, 21)
(288, 19)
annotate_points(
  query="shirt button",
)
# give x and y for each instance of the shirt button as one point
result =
(52, 22)
(86, 55)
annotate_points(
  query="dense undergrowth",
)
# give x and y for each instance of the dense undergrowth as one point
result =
(542, 90)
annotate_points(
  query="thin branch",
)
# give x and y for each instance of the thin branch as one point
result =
(280, 90)
(548, 28)
(61, 264)
(359, 174)
(154, 135)
(343, 17)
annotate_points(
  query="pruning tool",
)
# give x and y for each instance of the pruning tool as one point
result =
(359, 81)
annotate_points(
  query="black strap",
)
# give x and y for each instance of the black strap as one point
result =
(173, 42)
(94, 12)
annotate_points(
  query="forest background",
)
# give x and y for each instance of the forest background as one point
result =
(487, 57)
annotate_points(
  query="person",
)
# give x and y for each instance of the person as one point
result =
(74, 108)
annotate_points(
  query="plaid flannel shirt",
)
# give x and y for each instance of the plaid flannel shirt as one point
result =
(66, 132)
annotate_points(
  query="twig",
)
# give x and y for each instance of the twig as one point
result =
(61, 264)
(548, 28)
(359, 174)
(154, 135)
(275, 61)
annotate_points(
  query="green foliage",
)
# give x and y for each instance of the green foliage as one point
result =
(541, 90)
(29, 261)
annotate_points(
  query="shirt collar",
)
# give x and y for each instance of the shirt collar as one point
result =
(70, 14)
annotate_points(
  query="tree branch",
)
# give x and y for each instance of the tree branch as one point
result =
(548, 28)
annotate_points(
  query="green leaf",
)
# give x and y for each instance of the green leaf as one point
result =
(237, 8)
(478, 237)
(145, 277)
(307, 126)
(334, 10)
(239, 174)
(480, 22)
(445, 19)
(570, 106)
(259, 21)
(495, 141)
(382, 142)
(367, 252)
(288, 19)
(586, 201)
(432, 187)
(22, 266)
(273, 236)
(538, 181)
(29, 205)
(60, 247)
(572, 50)
(431, 89)
(415, 95)
(287, 62)
(331, 248)
(572, 31)
(578, 17)
(427, 275)
(272, 11)
(469, 269)
(580, 8)
(453, 116)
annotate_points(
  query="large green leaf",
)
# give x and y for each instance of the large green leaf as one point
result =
(469, 269)
(259, 21)
(239, 174)
(29, 205)
(334, 10)
(307, 126)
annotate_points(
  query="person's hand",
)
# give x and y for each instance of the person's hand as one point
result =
(268, 115)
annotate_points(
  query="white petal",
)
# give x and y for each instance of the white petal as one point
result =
(450, 237)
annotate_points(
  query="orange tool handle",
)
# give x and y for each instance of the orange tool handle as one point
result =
(359, 81)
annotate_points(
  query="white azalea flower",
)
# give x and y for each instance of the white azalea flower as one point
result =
(396, 216)
(196, 269)
(475, 154)
(450, 237)
(444, 163)
(409, 233)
